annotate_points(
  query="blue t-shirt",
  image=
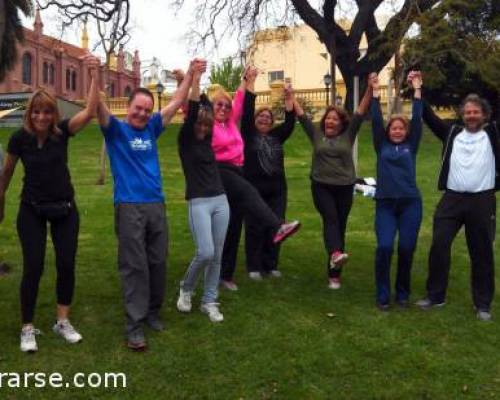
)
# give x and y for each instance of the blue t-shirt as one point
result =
(133, 155)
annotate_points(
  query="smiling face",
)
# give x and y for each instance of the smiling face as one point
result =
(333, 124)
(264, 121)
(42, 118)
(139, 111)
(397, 131)
(473, 116)
(222, 108)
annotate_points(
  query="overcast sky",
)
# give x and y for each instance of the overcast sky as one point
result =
(156, 32)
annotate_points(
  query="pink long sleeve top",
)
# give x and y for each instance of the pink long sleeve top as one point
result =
(227, 143)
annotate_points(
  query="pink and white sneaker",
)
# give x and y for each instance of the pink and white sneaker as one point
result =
(285, 231)
(338, 259)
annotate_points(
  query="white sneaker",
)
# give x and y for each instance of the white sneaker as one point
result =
(334, 283)
(28, 340)
(275, 273)
(64, 328)
(184, 301)
(212, 309)
(255, 276)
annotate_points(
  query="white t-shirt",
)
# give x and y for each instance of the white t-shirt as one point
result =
(472, 163)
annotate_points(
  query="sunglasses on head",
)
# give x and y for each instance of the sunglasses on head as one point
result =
(221, 104)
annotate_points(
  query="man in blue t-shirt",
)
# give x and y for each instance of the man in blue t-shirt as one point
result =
(140, 218)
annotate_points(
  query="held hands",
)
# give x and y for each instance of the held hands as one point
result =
(250, 74)
(197, 66)
(414, 79)
(373, 82)
(178, 75)
(288, 92)
(93, 63)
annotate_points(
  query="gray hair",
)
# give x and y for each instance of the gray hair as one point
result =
(478, 101)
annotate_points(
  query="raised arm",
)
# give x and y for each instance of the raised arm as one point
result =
(378, 129)
(364, 104)
(284, 130)
(248, 117)
(440, 128)
(306, 123)
(187, 129)
(9, 166)
(415, 80)
(82, 118)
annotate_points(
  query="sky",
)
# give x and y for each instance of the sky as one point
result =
(157, 32)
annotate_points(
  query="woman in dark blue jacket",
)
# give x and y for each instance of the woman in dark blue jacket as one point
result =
(398, 200)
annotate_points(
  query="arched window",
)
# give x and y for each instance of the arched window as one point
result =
(68, 79)
(27, 68)
(128, 91)
(73, 81)
(45, 73)
(52, 74)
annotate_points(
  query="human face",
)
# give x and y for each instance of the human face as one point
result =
(139, 111)
(264, 121)
(397, 132)
(222, 109)
(202, 129)
(333, 124)
(42, 119)
(473, 117)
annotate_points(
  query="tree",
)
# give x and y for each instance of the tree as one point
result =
(227, 75)
(342, 45)
(111, 18)
(458, 49)
(11, 31)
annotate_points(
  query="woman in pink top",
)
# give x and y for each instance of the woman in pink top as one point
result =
(244, 199)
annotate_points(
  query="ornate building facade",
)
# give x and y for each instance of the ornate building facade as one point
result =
(49, 63)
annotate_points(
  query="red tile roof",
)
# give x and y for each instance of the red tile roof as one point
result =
(54, 43)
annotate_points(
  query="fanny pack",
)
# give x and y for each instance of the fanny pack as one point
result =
(53, 210)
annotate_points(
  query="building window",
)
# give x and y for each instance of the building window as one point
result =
(276, 76)
(68, 79)
(73, 81)
(45, 73)
(52, 74)
(27, 68)
(112, 90)
(128, 91)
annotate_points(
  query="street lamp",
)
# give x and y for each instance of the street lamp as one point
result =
(159, 91)
(327, 79)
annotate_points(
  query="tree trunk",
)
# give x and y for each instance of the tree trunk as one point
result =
(2, 29)
(102, 164)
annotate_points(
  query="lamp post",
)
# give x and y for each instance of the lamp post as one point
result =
(327, 79)
(159, 91)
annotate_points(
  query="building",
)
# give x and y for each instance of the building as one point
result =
(296, 54)
(49, 63)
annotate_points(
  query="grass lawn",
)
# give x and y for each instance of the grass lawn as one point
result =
(291, 338)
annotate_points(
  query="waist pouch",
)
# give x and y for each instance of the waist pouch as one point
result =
(53, 210)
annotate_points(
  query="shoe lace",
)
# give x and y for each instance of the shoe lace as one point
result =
(67, 327)
(213, 308)
(30, 333)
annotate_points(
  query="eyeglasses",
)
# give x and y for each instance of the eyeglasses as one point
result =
(220, 104)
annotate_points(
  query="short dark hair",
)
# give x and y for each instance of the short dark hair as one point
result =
(344, 117)
(140, 90)
(478, 101)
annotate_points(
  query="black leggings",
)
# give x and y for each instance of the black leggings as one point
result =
(334, 203)
(32, 231)
(244, 201)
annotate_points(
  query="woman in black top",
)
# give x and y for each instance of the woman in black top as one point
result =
(264, 168)
(47, 196)
(207, 202)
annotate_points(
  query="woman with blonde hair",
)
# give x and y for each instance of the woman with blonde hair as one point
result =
(398, 200)
(244, 199)
(47, 196)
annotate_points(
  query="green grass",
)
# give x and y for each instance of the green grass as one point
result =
(277, 340)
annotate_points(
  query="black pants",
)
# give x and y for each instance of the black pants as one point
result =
(334, 203)
(261, 253)
(244, 201)
(32, 231)
(476, 211)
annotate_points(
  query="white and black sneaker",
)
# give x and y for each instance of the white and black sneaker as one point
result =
(184, 301)
(64, 328)
(28, 340)
(212, 310)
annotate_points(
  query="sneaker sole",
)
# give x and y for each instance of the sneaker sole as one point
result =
(340, 263)
(291, 233)
(136, 347)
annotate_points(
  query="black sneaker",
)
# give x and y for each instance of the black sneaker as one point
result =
(427, 304)
(155, 323)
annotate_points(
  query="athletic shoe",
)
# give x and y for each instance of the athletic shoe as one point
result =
(28, 340)
(184, 301)
(275, 273)
(64, 328)
(254, 275)
(384, 307)
(285, 231)
(403, 303)
(338, 259)
(426, 304)
(229, 285)
(483, 315)
(334, 283)
(136, 340)
(155, 323)
(212, 309)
